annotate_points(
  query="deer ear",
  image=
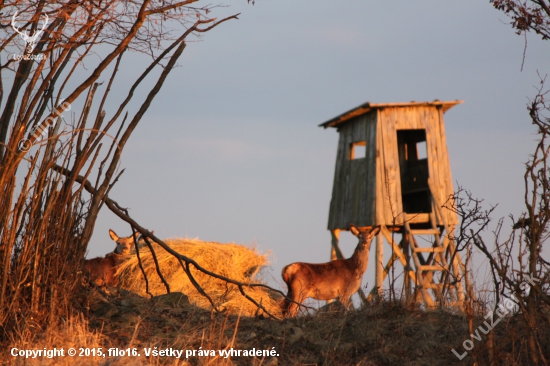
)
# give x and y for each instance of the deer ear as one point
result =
(375, 230)
(113, 235)
(354, 230)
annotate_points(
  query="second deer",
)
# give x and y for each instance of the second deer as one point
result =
(101, 271)
(326, 281)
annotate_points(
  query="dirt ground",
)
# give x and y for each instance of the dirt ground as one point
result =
(377, 334)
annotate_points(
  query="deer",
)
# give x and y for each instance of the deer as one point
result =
(30, 41)
(101, 271)
(339, 278)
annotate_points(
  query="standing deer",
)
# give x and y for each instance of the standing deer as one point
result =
(30, 41)
(325, 281)
(101, 271)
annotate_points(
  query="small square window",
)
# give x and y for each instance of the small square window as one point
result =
(358, 150)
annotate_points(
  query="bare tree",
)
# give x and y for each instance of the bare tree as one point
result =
(528, 278)
(520, 267)
(527, 15)
(62, 54)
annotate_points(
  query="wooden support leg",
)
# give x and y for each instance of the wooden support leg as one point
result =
(385, 272)
(397, 250)
(421, 280)
(335, 252)
(406, 251)
(379, 257)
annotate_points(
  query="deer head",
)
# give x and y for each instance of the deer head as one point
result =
(29, 40)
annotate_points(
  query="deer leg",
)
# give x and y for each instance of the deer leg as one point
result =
(345, 299)
(293, 306)
(285, 305)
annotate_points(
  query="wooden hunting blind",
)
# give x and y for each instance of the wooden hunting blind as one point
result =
(392, 169)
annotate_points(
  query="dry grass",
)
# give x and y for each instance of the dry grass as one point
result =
(384, 333)
(231, 260)
(74, 332)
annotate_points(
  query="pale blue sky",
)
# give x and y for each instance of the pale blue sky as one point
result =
(231, 151)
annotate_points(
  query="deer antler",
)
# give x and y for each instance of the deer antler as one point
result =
(29, 40)
(45, 24)
(23, 35)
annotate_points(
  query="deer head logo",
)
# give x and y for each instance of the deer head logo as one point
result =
(29, 40)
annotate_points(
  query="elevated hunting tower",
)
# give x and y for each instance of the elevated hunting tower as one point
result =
(392, 169)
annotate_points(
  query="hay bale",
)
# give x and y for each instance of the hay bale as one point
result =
(230, 260)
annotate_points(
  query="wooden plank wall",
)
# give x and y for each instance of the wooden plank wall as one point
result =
(403, 118)
(388, 179)
(353, 192)
(438, 161)
(446, 180)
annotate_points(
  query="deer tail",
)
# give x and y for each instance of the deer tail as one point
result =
(289, 271)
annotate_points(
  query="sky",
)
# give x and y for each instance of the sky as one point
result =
(231, 151)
